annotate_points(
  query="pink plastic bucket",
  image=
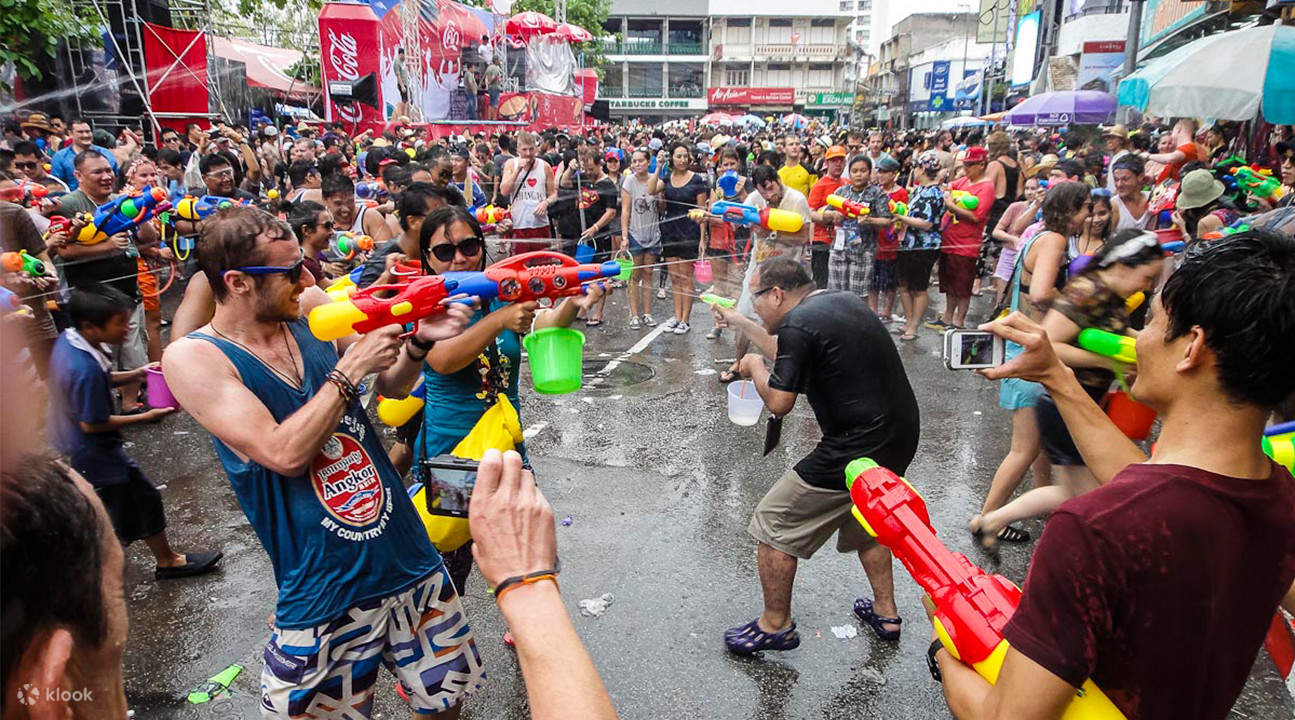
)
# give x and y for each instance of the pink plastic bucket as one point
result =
(1132, 417)
(702, 271)
(159, 395)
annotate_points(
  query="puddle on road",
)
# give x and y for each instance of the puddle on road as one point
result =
(623, 375)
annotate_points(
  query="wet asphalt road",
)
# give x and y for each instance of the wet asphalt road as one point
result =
(659, 486)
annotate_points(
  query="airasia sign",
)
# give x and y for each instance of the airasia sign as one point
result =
(751, 96)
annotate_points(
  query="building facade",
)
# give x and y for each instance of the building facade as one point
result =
(906, 75)
(656, 59)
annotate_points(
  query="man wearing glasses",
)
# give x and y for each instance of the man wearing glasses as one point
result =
(29, 161)
(829, 346)
(358, 580)
(218, 180)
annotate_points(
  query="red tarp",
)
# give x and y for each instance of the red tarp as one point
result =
(176, 66)
(541, 109)
(267, 67)
(587, 83)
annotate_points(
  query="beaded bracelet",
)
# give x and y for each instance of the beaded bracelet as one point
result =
(344, 385)
(517, 580)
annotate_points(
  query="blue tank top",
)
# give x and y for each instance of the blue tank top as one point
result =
(346, 531)
(456, 400)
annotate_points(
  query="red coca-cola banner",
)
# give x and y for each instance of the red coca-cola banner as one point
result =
(751, 96)
(350, 48)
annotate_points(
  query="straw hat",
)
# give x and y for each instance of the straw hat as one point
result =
(39, 121)
(1198, 188)
(1043, 166)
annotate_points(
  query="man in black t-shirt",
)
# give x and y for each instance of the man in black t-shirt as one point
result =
(831, 348)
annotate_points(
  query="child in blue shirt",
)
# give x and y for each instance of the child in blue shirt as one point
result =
(83, 427)
(920, 247)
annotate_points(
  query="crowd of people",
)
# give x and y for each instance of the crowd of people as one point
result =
(1059, 231)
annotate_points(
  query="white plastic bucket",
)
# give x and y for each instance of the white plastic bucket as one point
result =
(744, 403)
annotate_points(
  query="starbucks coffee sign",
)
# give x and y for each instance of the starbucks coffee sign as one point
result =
(657, 104)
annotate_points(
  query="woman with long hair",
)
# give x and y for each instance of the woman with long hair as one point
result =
(137, 175)
(463, 376)
(682, 238)
(1096, 228)
(1037, 277)
(640, 236)
(1009, 183)
(1129, 262)
(312, 223)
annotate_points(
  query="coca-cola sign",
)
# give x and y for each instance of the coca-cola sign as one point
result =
(751, 96)
(344, 61)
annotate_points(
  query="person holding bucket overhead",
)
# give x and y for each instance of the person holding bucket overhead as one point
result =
(466, 376)
(1128, 262)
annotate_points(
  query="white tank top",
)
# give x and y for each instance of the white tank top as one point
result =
(357, 227)
(1125, 219)
(528, 193)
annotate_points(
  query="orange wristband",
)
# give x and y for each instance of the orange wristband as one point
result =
(499, 592)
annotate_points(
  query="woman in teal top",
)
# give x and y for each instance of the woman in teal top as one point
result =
(463, 376)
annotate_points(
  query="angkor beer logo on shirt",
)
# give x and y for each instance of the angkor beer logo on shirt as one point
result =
(347, 483)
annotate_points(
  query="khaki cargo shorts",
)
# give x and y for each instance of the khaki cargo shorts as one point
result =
(797, 518)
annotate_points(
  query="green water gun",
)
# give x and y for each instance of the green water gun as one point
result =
(215, 685)
(713, 299)
(1108, 344)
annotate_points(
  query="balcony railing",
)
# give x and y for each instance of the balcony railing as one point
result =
(817, 50)
(685, 49)
(685, 90)
(648, 92)
(611, 92)
(632, 47)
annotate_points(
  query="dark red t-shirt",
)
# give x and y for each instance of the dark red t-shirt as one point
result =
(1160, 587)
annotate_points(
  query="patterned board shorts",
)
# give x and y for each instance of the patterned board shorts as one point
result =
(420, 634)
(851, 269)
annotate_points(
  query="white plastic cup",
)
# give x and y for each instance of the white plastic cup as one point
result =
(744, 403)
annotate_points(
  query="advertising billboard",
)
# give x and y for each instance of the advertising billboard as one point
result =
(1027, 43)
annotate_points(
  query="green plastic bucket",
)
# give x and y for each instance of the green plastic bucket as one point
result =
(627, 265)
(556, 356)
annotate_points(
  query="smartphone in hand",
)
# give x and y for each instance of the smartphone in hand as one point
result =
(972, 350)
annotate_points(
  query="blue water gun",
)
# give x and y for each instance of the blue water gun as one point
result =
(122, 214)
(194, 209)
(531, 276)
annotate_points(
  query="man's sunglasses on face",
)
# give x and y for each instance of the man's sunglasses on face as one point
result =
(293, 271)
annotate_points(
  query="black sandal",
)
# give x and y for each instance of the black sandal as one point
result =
(1013, 534)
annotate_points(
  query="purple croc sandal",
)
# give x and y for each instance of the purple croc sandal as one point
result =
(863, 610)
(749, 638)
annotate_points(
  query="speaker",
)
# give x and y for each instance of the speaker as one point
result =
(361, 90)
(798, 108)
(601, 110)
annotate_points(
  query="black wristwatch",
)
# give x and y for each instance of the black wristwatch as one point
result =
(931, 663)
(426, 347)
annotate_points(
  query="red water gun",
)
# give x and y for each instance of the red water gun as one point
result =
(58, 223)
(24, 192)
(971, 607)
(364, 311)
(531, 276)
(849, 208)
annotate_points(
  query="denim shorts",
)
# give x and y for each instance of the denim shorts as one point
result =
(1014, 393)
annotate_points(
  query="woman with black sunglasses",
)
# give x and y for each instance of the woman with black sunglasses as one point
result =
(312, 223)
(463, 376)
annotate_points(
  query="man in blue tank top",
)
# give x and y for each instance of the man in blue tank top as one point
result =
(359, 582)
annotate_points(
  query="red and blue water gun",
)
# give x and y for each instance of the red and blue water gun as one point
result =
(125, 213)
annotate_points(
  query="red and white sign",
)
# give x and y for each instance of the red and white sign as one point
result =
(350, 48)
(347, 482)
(751, 96)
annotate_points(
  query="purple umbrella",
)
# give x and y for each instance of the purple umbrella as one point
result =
(1065, 107)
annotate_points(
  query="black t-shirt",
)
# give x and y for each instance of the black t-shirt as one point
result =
(834, 350)
(594, 200)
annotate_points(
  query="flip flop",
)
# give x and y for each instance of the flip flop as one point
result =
(1013, 534)
(863, 610)
(907, 338)
(727, 377)
(749, 638)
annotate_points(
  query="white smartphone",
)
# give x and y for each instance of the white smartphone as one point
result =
(972, 349)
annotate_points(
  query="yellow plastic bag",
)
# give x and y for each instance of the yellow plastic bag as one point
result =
(499, 428)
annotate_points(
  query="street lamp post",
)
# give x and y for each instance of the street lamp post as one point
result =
(1131, 49)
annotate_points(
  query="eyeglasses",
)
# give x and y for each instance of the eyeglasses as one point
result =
(227, 172)
(468, 246)
(758, 293)
(293, 271)
(326, 225)
(25, 165)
